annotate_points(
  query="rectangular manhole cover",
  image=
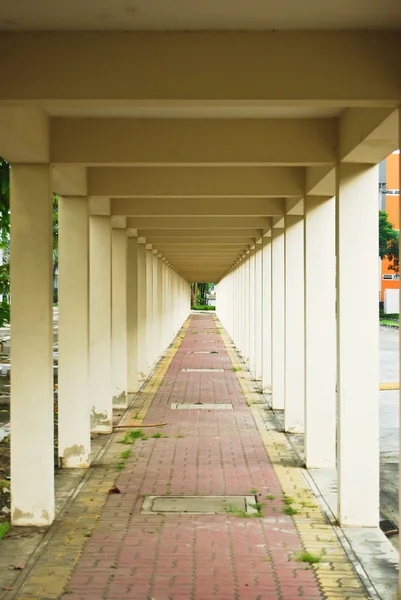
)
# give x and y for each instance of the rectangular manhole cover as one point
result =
(202, 370)
(200, 406)
(197, 505)
(203, 352)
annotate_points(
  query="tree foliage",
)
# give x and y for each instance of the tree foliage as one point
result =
(388, 242)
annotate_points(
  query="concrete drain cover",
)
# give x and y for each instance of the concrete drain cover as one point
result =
(197, 505)
(200, 406)
(203, 352)
(202, 370)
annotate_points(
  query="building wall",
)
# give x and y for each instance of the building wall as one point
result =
(393, 212)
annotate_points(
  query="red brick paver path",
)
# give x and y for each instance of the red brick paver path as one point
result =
(195, 557)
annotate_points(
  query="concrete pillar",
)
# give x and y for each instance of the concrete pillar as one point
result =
(267, 314)
(160, 291)
(155, 309)
(119, 317)
(278, 319)
(357, 346)
(101, 405)
(252, 303)
(259, 312)
(320, 333)
(32, 412)
(132, 314)
(149, 309)
(294, 400)
(74, 444)
(142, 328)
(247, 307)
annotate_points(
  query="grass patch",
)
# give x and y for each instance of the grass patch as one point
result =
(389, 322)
(132, 436)
(288, 500)
(308, 557)
(120, 466)
(289, 510)
(203, 307)
(126, 454)
(270, 497)
(253, 491)
(4, 527)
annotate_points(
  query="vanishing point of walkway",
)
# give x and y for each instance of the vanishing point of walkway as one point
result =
(121, 543)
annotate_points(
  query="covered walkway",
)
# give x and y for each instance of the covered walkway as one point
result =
(116, 546)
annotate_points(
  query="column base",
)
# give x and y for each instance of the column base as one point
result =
(76, 457)
(120, 401)
(101, 422)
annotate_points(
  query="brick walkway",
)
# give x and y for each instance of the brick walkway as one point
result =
(104, 548)
(198, 557)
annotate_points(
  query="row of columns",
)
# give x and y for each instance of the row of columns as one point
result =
(302, 308)
(120, 305)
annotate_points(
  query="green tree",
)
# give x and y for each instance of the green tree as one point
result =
(388, 241)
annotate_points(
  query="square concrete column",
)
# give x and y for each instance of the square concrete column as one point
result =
(132, 314)
(101, 405)
(320, 333)
(74, 444)
(251, 310)
(142, 313)
(160, 292)
(357, 345)
(267, 314)
(278, 319)
(149, 309)
(156, 324)
(258, 311)
(119, 317)
(32, 404)
(247, 308)
(294, 400)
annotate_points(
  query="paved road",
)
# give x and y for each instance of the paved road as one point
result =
(389, 423)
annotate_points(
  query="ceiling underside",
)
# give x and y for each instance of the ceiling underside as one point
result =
(130, 15)
(200, 143)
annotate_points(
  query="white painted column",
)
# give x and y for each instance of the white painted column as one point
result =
(358, 345)
(267, 314)
(278, 320)
(119, 317)
(259, 326)
(155, 309)
(142, 313)
(160, 292)
(74, 444)
(101, 406)
(320, 333)
(252, 302)
(149, 309)
(132, 314)
(32, 412)
(294, 400)
(247, 306)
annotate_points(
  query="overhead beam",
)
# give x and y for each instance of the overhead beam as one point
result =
(208, 223)
(199, 242)
(199, 234)
(251, 142)
(368, 135)
(193, 66)
(196, 182)
(256, 207)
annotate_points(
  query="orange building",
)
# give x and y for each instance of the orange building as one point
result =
(390, 203)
